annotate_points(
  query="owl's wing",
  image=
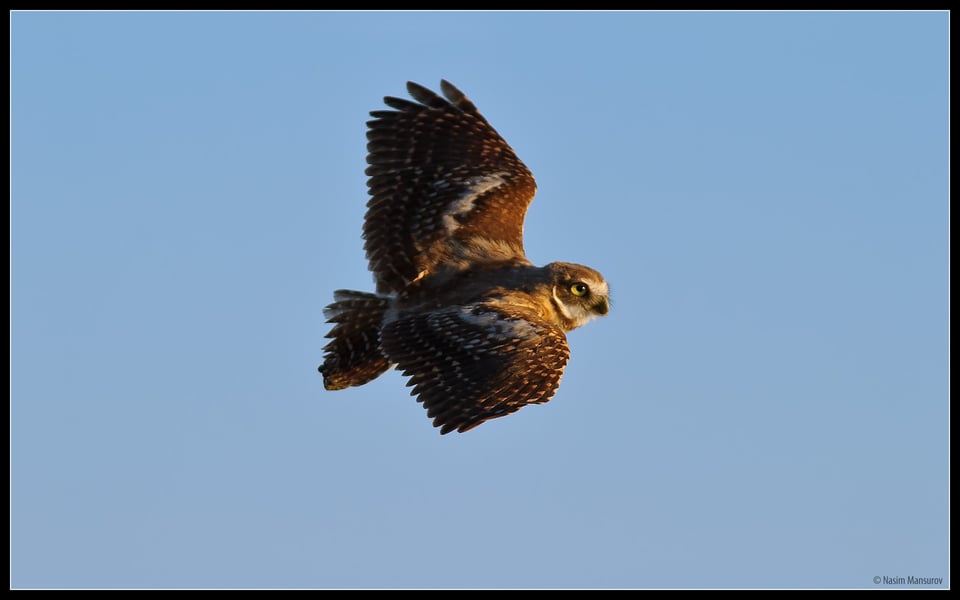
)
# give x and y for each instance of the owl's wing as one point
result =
(446, 190)
(471, 363)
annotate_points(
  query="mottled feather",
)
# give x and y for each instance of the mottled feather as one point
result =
(353, 355)
(447, 192)
(471, 363)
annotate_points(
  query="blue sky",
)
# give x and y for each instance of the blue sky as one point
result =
(765, 406)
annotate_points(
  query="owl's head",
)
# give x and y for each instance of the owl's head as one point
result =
(578, 293)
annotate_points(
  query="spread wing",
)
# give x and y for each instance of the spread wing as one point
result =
(446, 190)
(472, 363)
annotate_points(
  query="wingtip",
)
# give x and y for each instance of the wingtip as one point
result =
(450, 91)
(413, 87)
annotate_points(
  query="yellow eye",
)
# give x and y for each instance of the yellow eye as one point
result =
(579, 289)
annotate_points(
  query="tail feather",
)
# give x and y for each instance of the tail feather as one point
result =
(354, 356)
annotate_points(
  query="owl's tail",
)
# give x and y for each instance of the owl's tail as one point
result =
(354, 356)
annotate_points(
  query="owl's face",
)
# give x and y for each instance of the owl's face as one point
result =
(579, 293)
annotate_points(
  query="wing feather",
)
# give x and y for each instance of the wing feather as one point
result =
(446, 191)
(468, 364)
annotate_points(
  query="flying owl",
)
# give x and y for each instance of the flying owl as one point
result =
(479, 330)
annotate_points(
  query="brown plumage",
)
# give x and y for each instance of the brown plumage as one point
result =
(459, 308)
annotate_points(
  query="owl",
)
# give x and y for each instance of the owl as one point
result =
(459, 309)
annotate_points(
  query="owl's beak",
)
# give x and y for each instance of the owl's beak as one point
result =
(602, 307)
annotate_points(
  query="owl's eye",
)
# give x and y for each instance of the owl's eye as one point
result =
(579, 289)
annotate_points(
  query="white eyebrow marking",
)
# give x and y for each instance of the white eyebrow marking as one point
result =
(599, 287)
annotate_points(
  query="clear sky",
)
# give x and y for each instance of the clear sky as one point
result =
(765, 406)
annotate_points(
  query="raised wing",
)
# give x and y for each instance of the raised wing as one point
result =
(468, 364)
(447, 192)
